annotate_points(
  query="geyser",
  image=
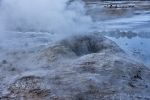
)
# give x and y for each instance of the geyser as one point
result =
(87, 44)
(54, 16)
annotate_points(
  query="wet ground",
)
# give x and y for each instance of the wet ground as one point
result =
(33, 65)
(126, 23)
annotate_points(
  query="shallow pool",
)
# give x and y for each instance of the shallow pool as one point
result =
(128, 27)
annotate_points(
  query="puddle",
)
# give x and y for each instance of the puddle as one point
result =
(128, 27)
(137, 47)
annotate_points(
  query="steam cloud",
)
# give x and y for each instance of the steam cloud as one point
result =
(54, 16)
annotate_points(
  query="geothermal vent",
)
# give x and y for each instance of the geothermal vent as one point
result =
(87, 44)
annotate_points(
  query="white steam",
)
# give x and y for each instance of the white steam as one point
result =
(54, 16)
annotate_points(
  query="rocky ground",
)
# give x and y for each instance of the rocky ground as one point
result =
(86, 67)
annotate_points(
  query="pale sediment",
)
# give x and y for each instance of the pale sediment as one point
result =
(87, 67)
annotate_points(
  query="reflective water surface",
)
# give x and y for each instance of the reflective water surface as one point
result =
(128, 26)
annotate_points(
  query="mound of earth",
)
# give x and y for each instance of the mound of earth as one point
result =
(87, 67)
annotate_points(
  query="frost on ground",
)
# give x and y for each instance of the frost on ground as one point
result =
(85, 67)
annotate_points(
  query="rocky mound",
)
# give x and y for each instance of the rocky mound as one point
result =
(88, 67)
